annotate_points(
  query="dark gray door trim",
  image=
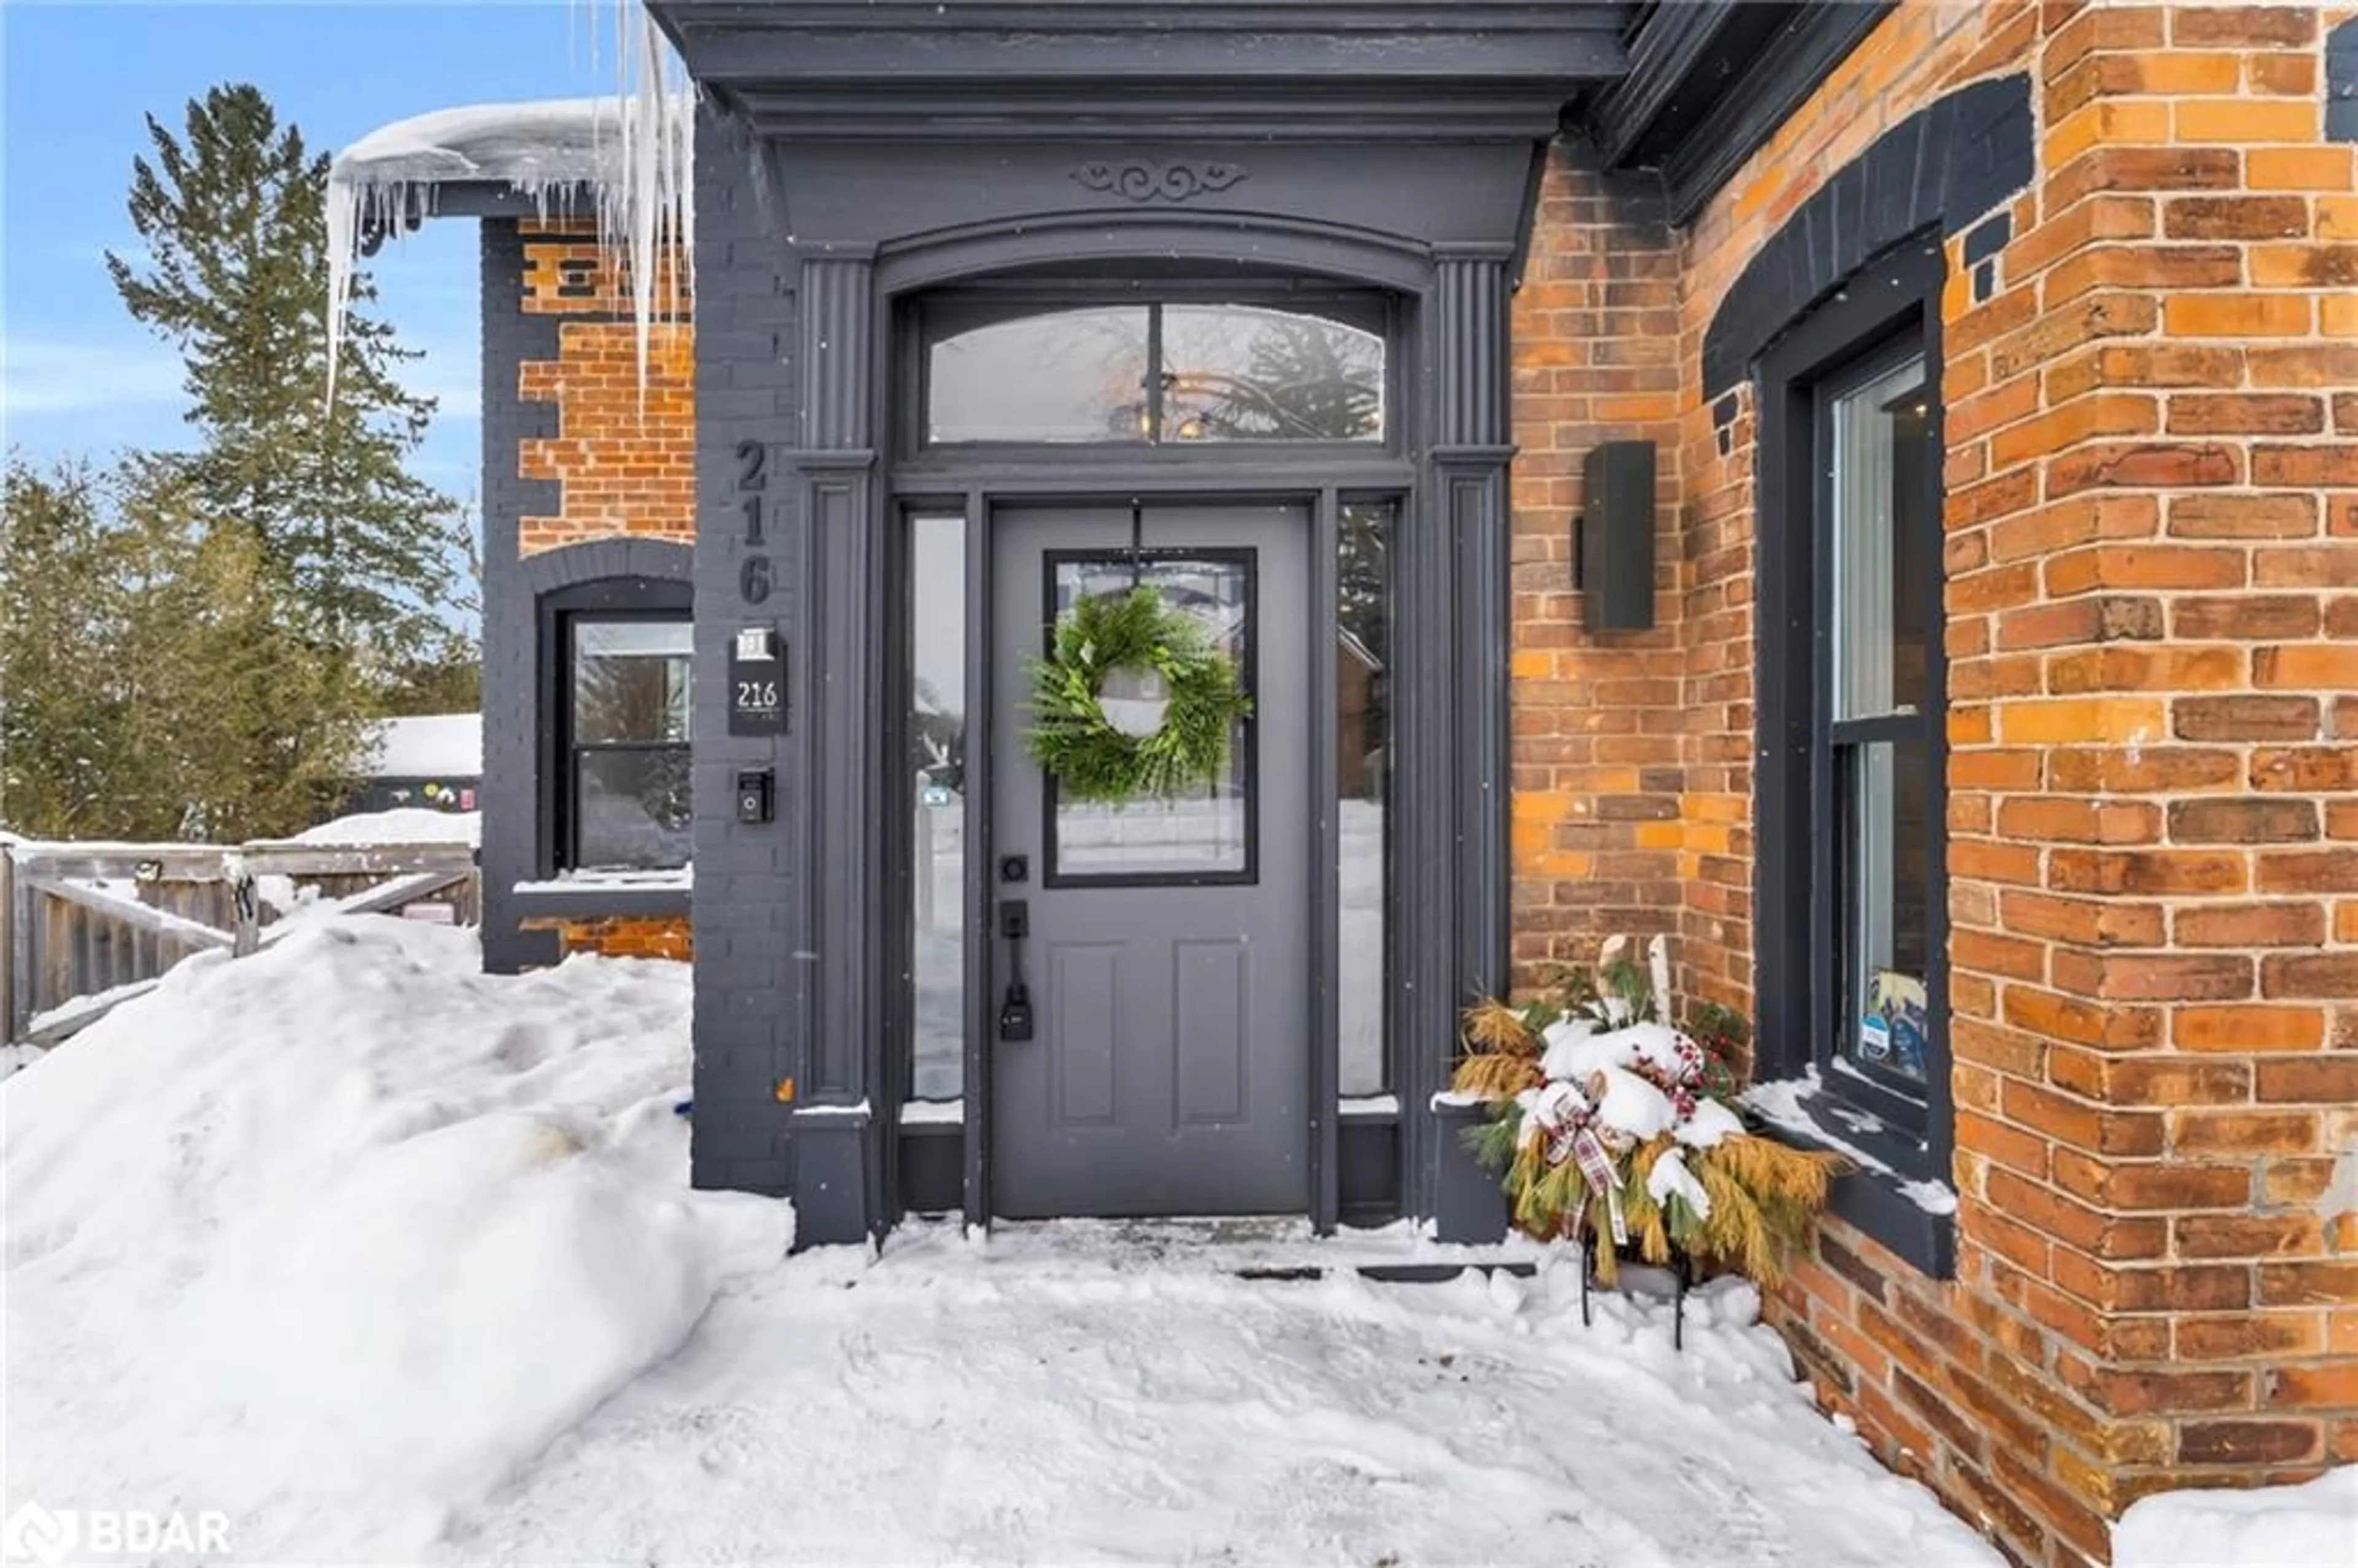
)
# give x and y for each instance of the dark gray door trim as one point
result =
(1430, 221)
(1325, 903)
(1449, 462)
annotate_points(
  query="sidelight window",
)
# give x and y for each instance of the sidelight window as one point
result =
(935, 726)
(1363, 753)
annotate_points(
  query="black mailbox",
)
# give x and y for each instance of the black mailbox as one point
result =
(1612, 539)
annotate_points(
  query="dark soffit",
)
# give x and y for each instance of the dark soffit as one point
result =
(1283, 70)
(1710, 81)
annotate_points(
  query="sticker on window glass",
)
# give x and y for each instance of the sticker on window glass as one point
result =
(1874, 1039)
(1893, 1034)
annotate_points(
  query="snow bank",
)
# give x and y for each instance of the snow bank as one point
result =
(407, 825)
(2269, 1527)
(335, 1238)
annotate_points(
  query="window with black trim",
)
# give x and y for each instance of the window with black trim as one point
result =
(1853, 933)
(626, 769)
(1157, 373)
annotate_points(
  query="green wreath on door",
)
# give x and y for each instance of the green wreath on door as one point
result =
(1132, 701)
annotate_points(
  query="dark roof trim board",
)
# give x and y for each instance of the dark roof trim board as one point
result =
(1710, 82)
(1941, 168)
(1205, 71)
(474, 198)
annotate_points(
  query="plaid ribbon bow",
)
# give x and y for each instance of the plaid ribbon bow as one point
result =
(1570, 1119)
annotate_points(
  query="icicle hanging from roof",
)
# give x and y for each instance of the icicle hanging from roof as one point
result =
(633, 152)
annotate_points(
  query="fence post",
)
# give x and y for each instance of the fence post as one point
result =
(247, 906)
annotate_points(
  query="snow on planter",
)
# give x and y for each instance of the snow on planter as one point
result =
(338, 1235)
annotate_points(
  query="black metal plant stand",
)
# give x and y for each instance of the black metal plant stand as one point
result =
(1682, 1274)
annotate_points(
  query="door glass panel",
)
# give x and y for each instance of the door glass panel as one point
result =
(1237, 372)
(1881, 451)
(1885, 863)
(1363, 777)
(1205, 835)
(1061, 375)
(936, 763)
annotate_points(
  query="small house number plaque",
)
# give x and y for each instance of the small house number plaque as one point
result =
(757, 683)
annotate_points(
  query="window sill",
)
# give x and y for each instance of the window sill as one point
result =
(1908, 1210)
(592, 897)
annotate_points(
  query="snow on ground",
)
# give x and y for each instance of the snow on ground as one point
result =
(404, 825)
(2308, 1526)
(1047, 1404)
(335, 1238)
(390, 1261)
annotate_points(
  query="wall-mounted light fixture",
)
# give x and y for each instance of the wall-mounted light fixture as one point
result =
(1613, 537)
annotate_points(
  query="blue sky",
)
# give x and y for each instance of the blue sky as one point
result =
(76, 79)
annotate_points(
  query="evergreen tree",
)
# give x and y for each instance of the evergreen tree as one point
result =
(258, 714)
(151, 684)
(61, 749)
(233, 221)
(446, 676)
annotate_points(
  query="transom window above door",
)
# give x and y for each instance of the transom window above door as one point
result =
(1159, 372)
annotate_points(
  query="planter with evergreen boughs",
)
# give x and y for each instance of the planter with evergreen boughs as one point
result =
(1610, 1125)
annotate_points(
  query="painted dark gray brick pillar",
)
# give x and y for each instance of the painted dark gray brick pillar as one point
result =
(753, 952)
(1464, 519)
(512, 708)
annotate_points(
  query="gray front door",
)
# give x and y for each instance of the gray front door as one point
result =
(1168, 958)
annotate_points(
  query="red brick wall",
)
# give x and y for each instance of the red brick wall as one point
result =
(1599, 762)
(623, 453)
(621, 937)
(2153, 586)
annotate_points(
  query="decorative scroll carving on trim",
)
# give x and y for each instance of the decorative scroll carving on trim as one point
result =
(1143, 182)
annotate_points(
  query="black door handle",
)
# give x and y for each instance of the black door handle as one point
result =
(1015, 1021)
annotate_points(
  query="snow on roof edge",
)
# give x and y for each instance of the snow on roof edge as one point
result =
(531, 145)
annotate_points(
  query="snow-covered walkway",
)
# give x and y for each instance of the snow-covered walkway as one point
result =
(1054, 1406)
(388, 1260)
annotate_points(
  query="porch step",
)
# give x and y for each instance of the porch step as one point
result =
(1398, 1273)
(1272, 1248)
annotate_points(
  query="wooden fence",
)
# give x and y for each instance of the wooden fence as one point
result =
(84, 927)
